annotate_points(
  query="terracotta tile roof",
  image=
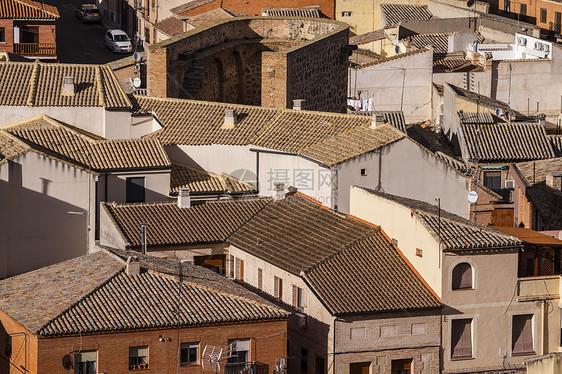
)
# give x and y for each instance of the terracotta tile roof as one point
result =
(311, 12)
(210, 16)
(202, 182)
(396, 13)
(439, 41)
(483, 100)
(388, 59)
(504, 142)
(191, 122)
(11, 147)
(40, 84)
(61, 141)
(478, 118)
(27, 9)
(535, 171)
(395, 118)
(353, 143)
(67, 298)
(369, 276)
(302, 237)
(190, 5)
(454, 64)
(210, 222)
(170, 26)
(456, 233)
(367, 37)
(556, 141)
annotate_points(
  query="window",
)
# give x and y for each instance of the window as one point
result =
(299, 296)
(231, 266)
(147, 35)
(304, 360)
(138, 357)
(523, 9)
(401, 366)
(346, 13)
(507, 6)
(543, 15)
(462, 276)
(2, 35)
(419, 252)
(239, 272)
(363, 172)
(493, 179)
(461, 338)
(557, 21)
(522, 334)
(189, 354)
(260, 279)
(278, 287)
(85, 362)
(241, 351)
(135, 190)
(359, 368)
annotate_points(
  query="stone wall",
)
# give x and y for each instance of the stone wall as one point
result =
(256, 61)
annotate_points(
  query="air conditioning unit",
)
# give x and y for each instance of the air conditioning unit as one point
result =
(538, 46)
(302, 320)
(522, 41)
(510, 184)
(545, 48)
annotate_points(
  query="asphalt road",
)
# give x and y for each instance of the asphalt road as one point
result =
(78, 42)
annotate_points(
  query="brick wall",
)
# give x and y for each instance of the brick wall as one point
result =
(268, 344)
(8, 45)
(24, 346)
(255, 61)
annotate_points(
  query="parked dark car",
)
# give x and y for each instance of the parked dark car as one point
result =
(88, 13)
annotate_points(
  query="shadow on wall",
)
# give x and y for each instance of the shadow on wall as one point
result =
(37, 229)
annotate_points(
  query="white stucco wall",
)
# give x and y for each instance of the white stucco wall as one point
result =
(407, 79)
(157, 184)
(42, 217)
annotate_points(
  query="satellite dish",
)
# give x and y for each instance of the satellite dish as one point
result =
(470, 3)
(137, 56)
(472, 197)
(397, 50)
(136, 83)
(67, 362)
(499, 112)
(395, 41)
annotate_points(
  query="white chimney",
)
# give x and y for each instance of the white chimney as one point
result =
(378, 119)
(229, 119)
(68, 86)
(298, 104)
(133, 266)
(278, 191)
(554, 180)
(184, 198)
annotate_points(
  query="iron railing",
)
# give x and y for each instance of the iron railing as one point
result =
(36, 49)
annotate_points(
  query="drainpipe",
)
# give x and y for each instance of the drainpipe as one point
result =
(334, 348)
(542, 345)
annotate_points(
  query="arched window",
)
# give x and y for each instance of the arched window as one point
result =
(462, 276)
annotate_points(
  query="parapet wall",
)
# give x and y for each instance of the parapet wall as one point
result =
(257, 61)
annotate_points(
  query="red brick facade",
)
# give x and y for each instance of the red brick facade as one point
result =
(44, 355)
(46, 36)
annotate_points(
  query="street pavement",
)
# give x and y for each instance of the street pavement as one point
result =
(78, 42)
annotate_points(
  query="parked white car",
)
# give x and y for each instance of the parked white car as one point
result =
(118, 41)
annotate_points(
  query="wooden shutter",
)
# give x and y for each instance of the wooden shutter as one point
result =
(461, 339)
(295, 299)
(522, 334)
(237, 269)
(241, 269)
(260, 278)
(275, 287)
(462, 276)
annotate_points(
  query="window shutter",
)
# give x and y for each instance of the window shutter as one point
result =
(231, 265)
(522, 334)
(260, 278)
(237, 268)
(295, 296)
(275, 287)
(461, 339)
(241, 269)
(462, 276)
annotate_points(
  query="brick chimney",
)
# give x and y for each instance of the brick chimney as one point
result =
(554, 180)
(184, 198)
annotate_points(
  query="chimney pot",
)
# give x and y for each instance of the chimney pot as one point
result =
(378, 119)
(229, 119)
(133, 266)
(184, 198)
(278, 191)
(554, 180)
(68, 86)
(298, 104)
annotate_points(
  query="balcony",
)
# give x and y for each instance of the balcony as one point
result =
(539, 288)
(36, 49)
(246, 367)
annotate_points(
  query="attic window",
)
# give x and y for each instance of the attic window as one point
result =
(363, 172)
(346, 13)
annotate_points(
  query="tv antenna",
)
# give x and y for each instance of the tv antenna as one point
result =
(281, 366)
(212, 356)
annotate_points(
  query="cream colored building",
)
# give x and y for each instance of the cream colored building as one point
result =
(492, 319)
(357, 306)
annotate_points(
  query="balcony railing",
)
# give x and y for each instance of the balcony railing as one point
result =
(246, 367)
(36, 49)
